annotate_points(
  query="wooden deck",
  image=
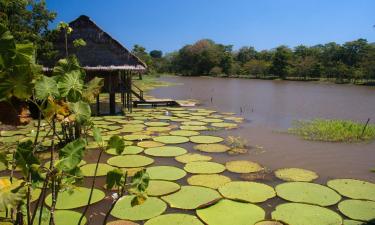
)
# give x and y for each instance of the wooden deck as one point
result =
(155, 102)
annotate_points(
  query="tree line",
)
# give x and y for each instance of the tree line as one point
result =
(353, 61)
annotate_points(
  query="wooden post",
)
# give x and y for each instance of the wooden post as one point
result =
(131, 96)
(112, 96)
(97, 105)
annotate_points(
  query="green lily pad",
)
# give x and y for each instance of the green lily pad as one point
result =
(161, 187)
(213, 181)
(194, 128)
(269, 222)
(177, 119)
(78, 197)
(136, 137)
(243, 166)
(205, 139)
(224, 125)
(352, 222)
(310, 193)
(165, 173)
(122, 222)
(2, 166)
(192, 157)
(174, 219)
(89, 169)
(212, 148)
(62, 217)
(150, 144)
(170, 139)
(184, 133)
(296, 174)
(204, 167)
(247, 191)
(150, 208)
(9, 133)
(351, 188)
(227, 212)
(166, 151)
(130, 161)
(192, 197)
(193, 123)
(156, 124)
(128, 150)
(130, 128)
(158, 129)
(358, 209)
(212, 120)
(304, 214)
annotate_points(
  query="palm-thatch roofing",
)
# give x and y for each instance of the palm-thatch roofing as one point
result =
(101, 53)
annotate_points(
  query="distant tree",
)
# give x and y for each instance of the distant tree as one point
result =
(141, 53)
(246, 54)
(156, 54)
(258, 68)
(280, 61)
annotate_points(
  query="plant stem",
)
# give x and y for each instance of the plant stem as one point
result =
(40, 199)
(28, 193)
(121, 193)
(38, 128)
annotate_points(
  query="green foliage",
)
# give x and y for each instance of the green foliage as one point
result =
(45, 87)
(333, 130)
(71, 86)
(11, 194)
(92, 89)
(79, 43)
(117, 143)
(115, 178)
(7, 47)
(71, 155)
(25, 157)
(81, 110)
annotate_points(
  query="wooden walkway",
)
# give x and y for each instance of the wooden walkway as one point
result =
(138, 93)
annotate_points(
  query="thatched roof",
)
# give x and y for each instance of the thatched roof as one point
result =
(101, 53)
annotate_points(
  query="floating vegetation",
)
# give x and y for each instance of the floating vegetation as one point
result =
(165, 173)
(176, 218)
(263, 175)
(192, 157)
(157, 124)
(247, 191)
(205, 139)
(88, 170)
(122, 222)
(212, 148)
(269, 222)
(304, 214)
(161, 187)
(128, 150)
(213, 181)
(226, 212)
(166, 151)
(136, 137)
(130, 161)
(351, 188)
(192, 197)
(310, 193)
(150, 208)
(203, 167)
(170, 139)
(358, 209)
(194, 128)
(61, 217)
(185, 133)
(296, 174)
(224, 125)
(149, 144)
(333, 130)
(243, 166)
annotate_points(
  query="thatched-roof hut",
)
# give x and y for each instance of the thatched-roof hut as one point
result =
(103, 56)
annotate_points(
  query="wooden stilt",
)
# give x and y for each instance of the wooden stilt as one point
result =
(97, 105)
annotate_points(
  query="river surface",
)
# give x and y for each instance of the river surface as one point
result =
(269, 107)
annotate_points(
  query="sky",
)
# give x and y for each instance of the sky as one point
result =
(168, 25)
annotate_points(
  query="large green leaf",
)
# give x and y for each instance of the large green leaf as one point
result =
(81, 110)
(117, 143)
(92, 89)
(140, 181)
(71, 85)
(67, 65)
(25, 157)
(7, 47)
(11, 194)
(45, 87)
(71, 155)
(17, 84)
(25, 54)
(114, 178)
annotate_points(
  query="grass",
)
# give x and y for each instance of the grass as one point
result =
(333, 130)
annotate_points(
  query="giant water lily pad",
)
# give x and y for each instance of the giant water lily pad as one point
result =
(358, 209)
(193, 123)
(194, 128)
(158, 129)
(304, 214)
(296, 174)
(78, 197)
(184, 133)
(150, 144)
(128, 150)
(353, 222)
(206, 139)
(62, 217)
(165, 173)
(161, 187)
(166, 151)
(88, 170)
(171, 139)
(307, 193)
(130, 128)
(174, 219)
(351, 188)
(212, 148)
(150, 208)
(243, 166)
(213, 181)
(136, 137)
(247, 191)
(130, 161)
(224, 125)
(192, 157)
(269, 222)
(227, 212)
(192, 197)
(204, 167)
(212, 120)
(122, 222)
(156, 124)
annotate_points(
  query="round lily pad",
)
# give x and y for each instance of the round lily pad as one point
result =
(136, 137)
(157, 124)
(194, 128)
(247, 191)
(62, 217)
(193, 123)
(307, 193)
(304, 214)
(353, 222)
(171, 139)
(358, 209)
(78, 197)
(351, 188)
(166, 151)
(203, 167)
(269, 222)
(205, 139)
(224, 125)
(122, 222)
(192, 157)
(129, 128)
(212, 120)
(213, 181)
(128, 150)
(185, 133)
(130, 161)
(150, 208)
(174, 219)
(296, 174)
(243, 166)
(158, 129)
(161, 187)
(227, 212)
(89, 169)
(165, 173)
(192, 197)
(150, 144)
(212, 148)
